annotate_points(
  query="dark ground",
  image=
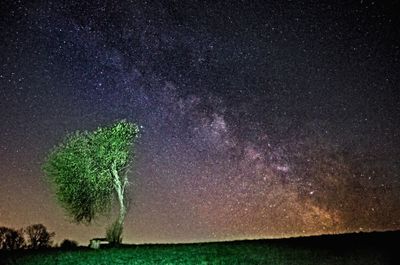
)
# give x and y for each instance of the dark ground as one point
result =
(360, 248)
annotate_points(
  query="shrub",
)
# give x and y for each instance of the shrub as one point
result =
(69, 244)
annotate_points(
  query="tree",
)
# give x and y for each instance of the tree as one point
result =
(90, 168)
(38, 237)
(11, 239)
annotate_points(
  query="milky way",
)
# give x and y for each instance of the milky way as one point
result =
(258, 120)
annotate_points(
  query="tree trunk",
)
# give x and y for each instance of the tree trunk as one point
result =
(120, 190)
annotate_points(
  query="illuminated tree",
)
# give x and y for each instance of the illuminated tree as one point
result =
(90, 168)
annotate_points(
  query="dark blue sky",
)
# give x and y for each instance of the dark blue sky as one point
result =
(252, 113)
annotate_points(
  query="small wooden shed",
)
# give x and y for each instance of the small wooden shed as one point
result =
(95, 243)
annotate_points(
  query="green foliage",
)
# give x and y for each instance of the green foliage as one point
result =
(81, 168)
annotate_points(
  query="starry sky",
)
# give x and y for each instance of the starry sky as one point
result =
(259, 119)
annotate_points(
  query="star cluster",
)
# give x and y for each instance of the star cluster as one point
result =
(257, 119)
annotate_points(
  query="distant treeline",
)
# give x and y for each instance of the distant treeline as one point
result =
(32, 237)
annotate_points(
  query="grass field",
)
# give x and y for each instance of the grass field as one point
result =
(365, 249)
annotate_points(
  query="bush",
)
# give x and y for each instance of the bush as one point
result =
(69, 244)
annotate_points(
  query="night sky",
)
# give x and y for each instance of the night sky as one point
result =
(258, 118)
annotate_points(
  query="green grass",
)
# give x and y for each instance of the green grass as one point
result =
(320, 251)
